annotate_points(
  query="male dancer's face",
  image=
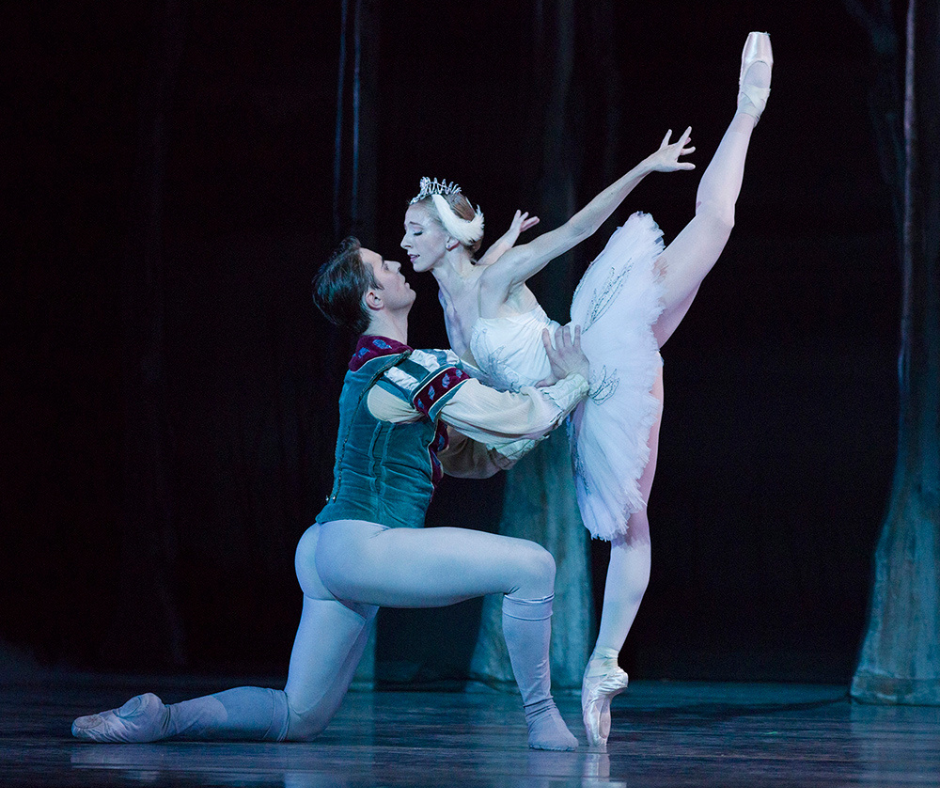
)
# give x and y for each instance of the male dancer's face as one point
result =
(394, 289)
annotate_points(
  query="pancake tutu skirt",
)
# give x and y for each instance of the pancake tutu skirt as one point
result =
(616, 304)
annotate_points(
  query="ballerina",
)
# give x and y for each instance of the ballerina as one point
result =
(629, 302)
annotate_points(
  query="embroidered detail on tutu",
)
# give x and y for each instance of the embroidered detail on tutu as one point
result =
(502, 375)
(496, 369)
(601, 301)
(604, 385)
(577, 464)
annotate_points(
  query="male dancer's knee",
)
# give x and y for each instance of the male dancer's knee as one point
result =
(306, 726)
(536, 572)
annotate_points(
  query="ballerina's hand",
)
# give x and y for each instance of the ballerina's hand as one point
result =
(526, 222)
(565, 356)
(519, 224)
(666, 159)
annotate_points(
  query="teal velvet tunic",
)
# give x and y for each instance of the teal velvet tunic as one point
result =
(385, 473)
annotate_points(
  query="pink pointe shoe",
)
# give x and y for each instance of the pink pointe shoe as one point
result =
(596, 694)
(752, 98)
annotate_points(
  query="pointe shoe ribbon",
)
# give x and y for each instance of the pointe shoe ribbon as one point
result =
(596, 694)
(751, 98)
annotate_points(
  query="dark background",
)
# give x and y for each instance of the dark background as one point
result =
(779, 435)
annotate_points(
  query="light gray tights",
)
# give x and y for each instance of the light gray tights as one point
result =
(347, 569)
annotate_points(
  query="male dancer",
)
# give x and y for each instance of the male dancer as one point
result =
(366, 549)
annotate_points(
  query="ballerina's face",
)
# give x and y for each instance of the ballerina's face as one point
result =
(424, 239)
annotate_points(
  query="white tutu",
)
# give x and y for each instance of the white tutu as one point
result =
(616, 305)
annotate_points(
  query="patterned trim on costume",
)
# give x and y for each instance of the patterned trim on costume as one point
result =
(370, 347)
(434, 359)
(431, 396)
(413, 373)
(600, 301)
(603, 384)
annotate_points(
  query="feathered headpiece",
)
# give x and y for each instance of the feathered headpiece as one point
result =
(468, 232)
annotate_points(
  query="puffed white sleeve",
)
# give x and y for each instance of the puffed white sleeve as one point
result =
(506, 425)
(499, 419)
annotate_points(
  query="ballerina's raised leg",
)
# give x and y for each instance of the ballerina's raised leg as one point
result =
(685, 263)
(688, 259)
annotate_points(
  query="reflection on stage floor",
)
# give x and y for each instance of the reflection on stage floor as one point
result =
(664, 734)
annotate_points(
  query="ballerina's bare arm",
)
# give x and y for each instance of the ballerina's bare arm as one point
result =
(520, 223)
(518, 264)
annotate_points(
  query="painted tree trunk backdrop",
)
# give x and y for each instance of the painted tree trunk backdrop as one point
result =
(539, 499)
(900, 658)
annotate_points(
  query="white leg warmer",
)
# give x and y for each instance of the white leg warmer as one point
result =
(527, 627)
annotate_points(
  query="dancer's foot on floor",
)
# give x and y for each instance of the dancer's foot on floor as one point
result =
(141, 719)
(602, 682)
(547, 730)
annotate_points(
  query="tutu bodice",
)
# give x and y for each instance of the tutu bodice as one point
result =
(509, 350)
(616, 304)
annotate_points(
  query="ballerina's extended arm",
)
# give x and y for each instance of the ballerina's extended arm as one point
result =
(518, 264)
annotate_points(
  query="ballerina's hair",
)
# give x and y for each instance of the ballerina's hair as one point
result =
(340, 284)
(452, 210)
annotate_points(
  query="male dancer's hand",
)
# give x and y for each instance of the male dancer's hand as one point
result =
(565, 355)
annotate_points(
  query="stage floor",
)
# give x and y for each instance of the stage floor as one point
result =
(664, 734)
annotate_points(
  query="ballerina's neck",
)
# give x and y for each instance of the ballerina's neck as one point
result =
(456, 269)
(461, 311)
(458, 284)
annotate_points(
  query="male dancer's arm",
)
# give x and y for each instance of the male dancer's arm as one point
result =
(469, 459)
(500, 451)
(501, 418)
(489, 430)
(506, 425)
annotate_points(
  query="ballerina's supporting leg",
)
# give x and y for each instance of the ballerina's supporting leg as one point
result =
(628, 575)
(685, 262)
(627, 578)
(629, 569)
